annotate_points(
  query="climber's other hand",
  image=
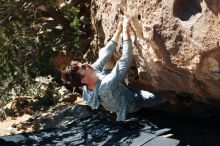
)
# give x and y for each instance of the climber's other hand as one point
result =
(116, 35)
(119, 28)
(126, 24)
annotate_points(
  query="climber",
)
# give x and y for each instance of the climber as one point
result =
(107, 88)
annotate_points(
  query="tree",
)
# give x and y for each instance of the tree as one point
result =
(32, 34)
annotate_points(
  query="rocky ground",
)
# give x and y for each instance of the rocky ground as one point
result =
(75, 124)
(15, 120)
(63, 119)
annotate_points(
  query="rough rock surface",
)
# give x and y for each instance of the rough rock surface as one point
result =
(178, 43)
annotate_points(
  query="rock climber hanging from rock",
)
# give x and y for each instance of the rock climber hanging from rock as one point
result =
(107, 88)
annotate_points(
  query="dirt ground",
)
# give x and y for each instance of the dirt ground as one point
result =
(33, 122)
(6, 126)
(71, 123)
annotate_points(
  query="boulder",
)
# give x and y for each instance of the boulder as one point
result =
(178, 43)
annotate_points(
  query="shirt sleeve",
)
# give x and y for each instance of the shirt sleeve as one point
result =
(104, 54)
(121, 68)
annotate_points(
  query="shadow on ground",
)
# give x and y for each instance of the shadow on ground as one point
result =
(99, 128)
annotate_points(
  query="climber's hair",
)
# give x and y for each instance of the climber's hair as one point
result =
(71, 78)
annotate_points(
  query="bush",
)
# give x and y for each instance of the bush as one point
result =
(32, 34)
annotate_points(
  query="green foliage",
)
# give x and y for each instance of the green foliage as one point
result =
(32, 33)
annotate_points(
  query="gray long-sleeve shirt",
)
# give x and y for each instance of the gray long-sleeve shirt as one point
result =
(110, 91)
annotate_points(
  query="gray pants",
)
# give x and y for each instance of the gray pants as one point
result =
(145, 98)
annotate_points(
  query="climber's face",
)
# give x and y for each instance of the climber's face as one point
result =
(88, 74)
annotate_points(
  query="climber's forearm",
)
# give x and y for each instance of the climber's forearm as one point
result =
(104, 54)
(116, 36)
(127, 47)
(127, 52)
(121, 68)
(110, 47)
(126, 59)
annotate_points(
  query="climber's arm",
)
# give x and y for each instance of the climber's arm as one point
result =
(106, 52)
(120, 70)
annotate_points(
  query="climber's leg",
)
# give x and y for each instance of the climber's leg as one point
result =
(145, 98)
(151, 99)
